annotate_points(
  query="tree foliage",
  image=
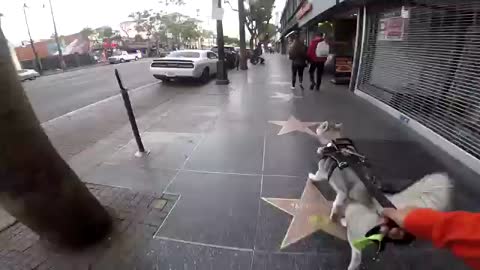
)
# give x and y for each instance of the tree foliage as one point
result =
(258, 16)
(231, 41)
(158, 24)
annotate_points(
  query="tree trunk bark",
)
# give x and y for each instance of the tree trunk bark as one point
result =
(252, 41)
(243, 45)
(36, 185)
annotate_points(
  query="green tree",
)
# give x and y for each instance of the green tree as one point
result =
(172, 2)
(258, 16)
(87, 32)
(231, 41)
(37, 186)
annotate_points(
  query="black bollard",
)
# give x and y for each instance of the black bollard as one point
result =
(131, 116)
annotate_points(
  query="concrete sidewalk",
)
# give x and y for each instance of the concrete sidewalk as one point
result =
(222, 160)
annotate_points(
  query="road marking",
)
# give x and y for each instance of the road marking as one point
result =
(82, 109)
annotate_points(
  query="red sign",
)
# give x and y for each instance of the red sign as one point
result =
(304, 10)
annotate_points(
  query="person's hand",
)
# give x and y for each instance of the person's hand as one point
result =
(397, 216)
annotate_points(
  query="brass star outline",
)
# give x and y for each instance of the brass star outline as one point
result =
(293, 124)
(310, 214)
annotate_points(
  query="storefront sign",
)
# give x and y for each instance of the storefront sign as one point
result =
(304, 10)
(392, 25)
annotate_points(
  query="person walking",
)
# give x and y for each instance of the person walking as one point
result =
(298, 54)
(258, 51)
(317, 56)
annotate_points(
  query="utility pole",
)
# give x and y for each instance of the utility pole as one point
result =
(222, 76)
(59, 48)
(243, 45)
(32, 45)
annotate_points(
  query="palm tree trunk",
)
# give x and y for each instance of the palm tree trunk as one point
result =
(37, 186)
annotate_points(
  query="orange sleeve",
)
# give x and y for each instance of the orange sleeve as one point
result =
(457, 231)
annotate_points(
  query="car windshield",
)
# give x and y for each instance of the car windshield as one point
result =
(184, 54)
(117, 53)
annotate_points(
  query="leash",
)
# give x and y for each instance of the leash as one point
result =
(345, 155)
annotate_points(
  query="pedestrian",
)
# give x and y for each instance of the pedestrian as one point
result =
(298, 54)
(317, 56)
(258, 51)
(237, 59)
(457, 231)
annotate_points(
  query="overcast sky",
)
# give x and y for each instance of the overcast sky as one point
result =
(73, 15)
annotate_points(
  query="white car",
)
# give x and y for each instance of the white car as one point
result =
(123, 56)
(27, 74)
(198, 64)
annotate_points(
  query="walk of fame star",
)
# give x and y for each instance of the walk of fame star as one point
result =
(293, 124)
(285, 97)
(310, 214)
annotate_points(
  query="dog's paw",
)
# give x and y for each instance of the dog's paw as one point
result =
(313, 177)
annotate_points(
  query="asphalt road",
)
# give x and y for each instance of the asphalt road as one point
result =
(55, 95)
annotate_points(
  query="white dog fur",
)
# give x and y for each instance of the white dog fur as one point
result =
(432, 191)
(360, 209)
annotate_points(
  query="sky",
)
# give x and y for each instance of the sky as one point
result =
(73, 15)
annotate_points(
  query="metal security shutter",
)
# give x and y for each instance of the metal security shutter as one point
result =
(432, 73)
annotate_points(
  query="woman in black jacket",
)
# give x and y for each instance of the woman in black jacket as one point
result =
(298, 54)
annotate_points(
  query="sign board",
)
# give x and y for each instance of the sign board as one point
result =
(343, 66)
(392, 25)
(304, 10)
(217, 13)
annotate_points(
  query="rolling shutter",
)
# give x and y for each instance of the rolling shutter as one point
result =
(424, 60)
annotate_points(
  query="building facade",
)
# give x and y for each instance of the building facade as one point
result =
(417, 60)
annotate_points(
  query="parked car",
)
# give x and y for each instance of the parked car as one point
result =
(124, 56)
(27, 74)
(198, 64)
(230, 55)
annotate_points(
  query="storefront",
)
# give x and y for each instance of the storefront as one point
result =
(420, 63)
(340, 27)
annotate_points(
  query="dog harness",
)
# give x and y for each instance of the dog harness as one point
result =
(344, 154)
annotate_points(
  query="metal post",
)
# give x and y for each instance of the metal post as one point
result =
(131, 117)
(222, 77)
(38, 63)
(60, 53)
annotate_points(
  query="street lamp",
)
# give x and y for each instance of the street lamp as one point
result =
(222, 76)
(32, 45)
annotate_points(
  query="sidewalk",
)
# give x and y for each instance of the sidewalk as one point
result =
(222, 160)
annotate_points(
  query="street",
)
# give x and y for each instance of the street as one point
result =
(81, 107)
(58, 94)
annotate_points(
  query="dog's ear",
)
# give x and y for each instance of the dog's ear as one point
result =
(338, 125)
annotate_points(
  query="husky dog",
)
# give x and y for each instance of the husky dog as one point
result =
(326, 132)
(432, 191)
(345, 182)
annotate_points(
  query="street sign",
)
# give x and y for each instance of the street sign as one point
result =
(217, 13)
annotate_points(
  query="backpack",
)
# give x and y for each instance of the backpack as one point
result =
(322, 49)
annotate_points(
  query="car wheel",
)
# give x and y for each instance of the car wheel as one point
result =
(122, 60)
(205, 75)
(136, 58)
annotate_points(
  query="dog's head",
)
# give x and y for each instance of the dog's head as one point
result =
(327, 132)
